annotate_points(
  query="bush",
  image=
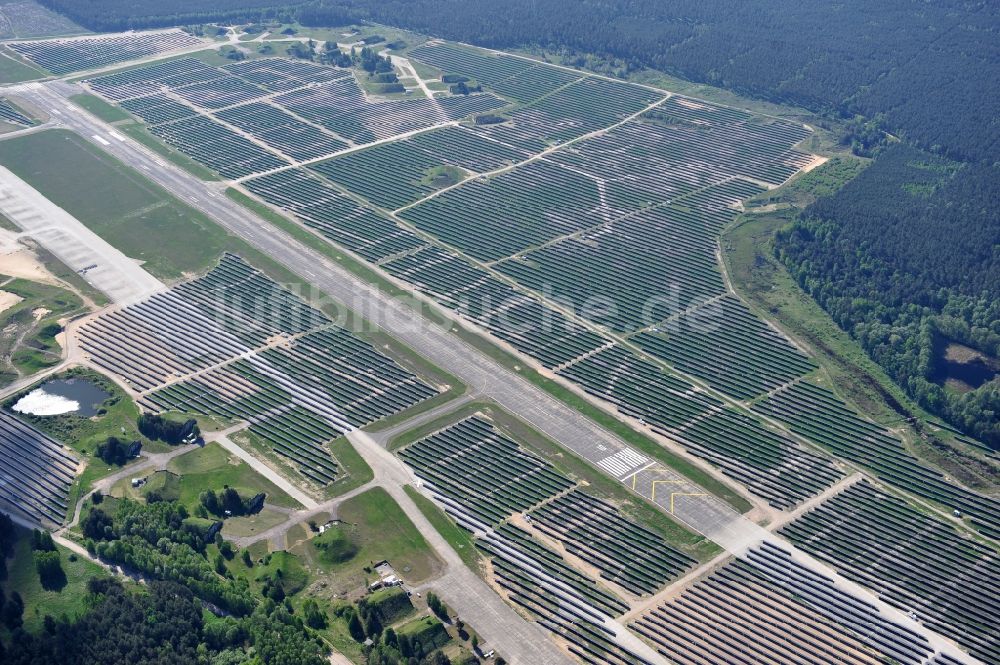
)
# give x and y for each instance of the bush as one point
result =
(50, 572)
(113, 451)
(162, 429)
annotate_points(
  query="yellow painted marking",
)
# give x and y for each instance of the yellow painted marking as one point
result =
(673, 494)
(634, 477)
(652, 496)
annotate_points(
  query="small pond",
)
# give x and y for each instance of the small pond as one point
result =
(79, 397)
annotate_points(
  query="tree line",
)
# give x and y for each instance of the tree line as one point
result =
(905, 259)
(159, 624)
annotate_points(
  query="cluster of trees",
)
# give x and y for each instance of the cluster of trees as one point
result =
(163, 620)
(12, 605)
(228, 502)
(114, 451)
(379, 68)
(11, 611)
(161, 542)
(8, 537)
(158, 428)
(437, 606)
(163, 623)
(905, 258)
(48, 562)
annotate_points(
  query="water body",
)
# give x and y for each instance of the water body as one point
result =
(61, 396)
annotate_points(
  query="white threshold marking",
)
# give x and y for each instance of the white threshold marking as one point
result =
(623, 462)
(100, 139)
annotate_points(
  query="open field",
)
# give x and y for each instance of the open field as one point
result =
(372, 528)
(119, 204)
(14, 70)
(29, 327)
(70, 599)
(211, 467)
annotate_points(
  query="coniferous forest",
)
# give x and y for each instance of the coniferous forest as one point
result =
(905, 258)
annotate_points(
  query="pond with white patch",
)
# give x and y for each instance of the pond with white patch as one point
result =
(63, 396)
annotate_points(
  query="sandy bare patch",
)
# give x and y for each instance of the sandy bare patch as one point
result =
(816, 161)
(691, 104)
(8, 300)
(16, 260)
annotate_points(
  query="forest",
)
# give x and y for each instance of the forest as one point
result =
(118, 15)
(159, 624)
(905, 258)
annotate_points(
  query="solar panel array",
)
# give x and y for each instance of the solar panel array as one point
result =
(36, 471)
(486, 480)
(916, 563)
(10, 113)
(62, 56)
(627, 211)
(770, 609)
(235, 344)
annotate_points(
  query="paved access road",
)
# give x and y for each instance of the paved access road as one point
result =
(470, 597)
(688, 502)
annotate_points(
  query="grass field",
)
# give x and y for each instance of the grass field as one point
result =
(122, 206)
(100, 108)
(355, 471)
(380, 530)
(460, 539)
(14, 70)
(212, 467)
(23, 578)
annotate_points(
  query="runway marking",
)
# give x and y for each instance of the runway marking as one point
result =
(116, 135)
(622, 463)
(673, 494)
(635, 474)
(100, 139)
(652, 494)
